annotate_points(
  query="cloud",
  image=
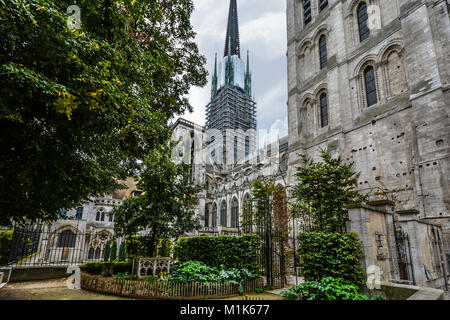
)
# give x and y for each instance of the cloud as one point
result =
(264, 35)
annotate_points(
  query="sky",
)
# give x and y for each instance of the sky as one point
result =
(262, 30)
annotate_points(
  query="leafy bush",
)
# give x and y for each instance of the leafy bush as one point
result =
(5, 245)
(236, 275)
(229, 251)
(97, 268)
(94, 268)
(326, 289)
(330, 255)
(125, 276)
(195, 271)
(122, 267)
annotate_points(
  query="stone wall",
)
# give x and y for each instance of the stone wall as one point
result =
(401, 143)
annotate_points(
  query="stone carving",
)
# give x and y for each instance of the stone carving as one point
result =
(147, 267)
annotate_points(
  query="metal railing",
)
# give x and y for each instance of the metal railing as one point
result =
(39, 245)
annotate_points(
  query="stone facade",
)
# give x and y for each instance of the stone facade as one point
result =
(398, 138)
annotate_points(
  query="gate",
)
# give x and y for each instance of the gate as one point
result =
(36, 245)
(405, 265)
(272, 259)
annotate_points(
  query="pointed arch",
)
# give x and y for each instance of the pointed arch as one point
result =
(223, 213)
(234, 213)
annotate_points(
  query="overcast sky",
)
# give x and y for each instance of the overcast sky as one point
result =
(262, 28)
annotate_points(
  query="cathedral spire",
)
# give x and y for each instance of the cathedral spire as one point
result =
(214, 80)
(248, 77)
(233, 44)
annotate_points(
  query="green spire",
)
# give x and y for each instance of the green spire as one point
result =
(229, 67)
(248, 77)
(214, 80)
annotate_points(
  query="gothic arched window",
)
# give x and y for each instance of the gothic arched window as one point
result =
(248, 208)
(370, 85)
(206, 216)
(364, 31)
(307, 11)
(234, 213)
(97, 253)
(323, 110)
(91, 254)
(223, 214)
(214, 216)
(323, 51)
(66, 239)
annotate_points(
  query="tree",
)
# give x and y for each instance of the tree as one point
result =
(80, 107)
(323, 189)
(166, 207)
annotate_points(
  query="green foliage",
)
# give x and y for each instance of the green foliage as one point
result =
(323, 189)
(195, 271)
(125, 276)
(165, 248)
(142, 246)
(6, 237)
(122, 251)
(93, 268)
(97, 268)
(327, 289)
(166, 206)
(122, 267)
(113, 254)
(106, 252)
(79, 108)
(229, 251)
(330, 255)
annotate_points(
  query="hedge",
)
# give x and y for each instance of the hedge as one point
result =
(217, 251)
(97, 268)
(6, 237)
(330, 255)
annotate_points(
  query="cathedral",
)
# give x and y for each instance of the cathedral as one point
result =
(367, 80)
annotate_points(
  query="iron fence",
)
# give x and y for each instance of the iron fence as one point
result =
(39, 245)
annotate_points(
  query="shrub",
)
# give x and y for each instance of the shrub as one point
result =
(326, 289)
(195, 271)
(106, 268)
(125, 276)
(94, 268)
(230, 251)
(330, 255)
(122, 267)
(5, 245)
